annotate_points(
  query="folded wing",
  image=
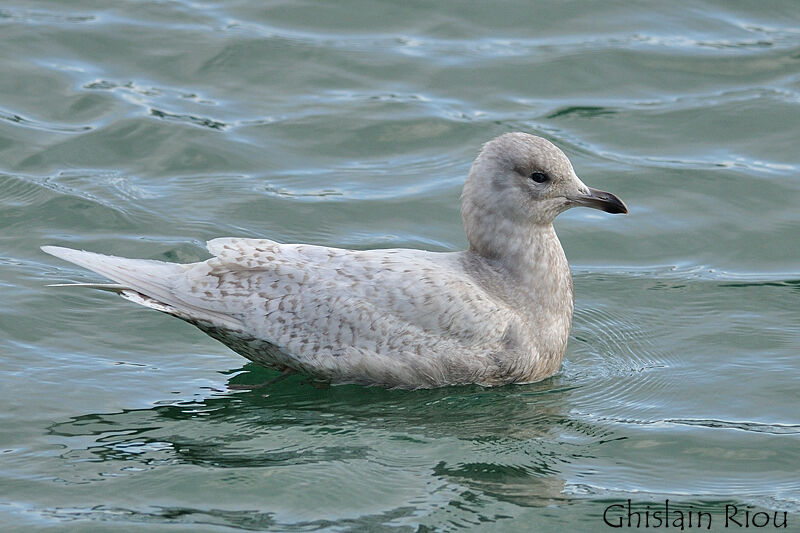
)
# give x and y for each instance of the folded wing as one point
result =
(354, 316)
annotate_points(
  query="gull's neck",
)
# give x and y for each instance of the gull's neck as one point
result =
(532, 259)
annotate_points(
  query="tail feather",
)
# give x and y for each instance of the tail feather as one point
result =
(145, 281)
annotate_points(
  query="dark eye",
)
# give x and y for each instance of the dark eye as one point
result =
(539, 177)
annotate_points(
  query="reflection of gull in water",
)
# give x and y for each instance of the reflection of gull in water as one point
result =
(497, 313)
(511, 444)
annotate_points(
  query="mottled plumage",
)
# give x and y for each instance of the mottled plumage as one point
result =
(497, 313)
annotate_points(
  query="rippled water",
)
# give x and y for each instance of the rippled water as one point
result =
(143, 128)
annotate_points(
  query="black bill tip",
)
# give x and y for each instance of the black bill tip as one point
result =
(604, 201)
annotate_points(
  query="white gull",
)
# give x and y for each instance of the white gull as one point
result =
(497, 313)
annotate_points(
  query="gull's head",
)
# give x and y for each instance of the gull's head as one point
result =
(520, 181)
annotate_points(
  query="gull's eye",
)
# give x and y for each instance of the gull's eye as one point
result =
(539, 177)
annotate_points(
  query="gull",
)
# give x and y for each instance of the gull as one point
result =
(497, 313)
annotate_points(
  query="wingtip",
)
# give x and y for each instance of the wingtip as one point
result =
(61, 252)
(55, 250)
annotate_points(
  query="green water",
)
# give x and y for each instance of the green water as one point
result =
(144, 128)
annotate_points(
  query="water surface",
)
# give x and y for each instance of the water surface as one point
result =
(145, 128)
